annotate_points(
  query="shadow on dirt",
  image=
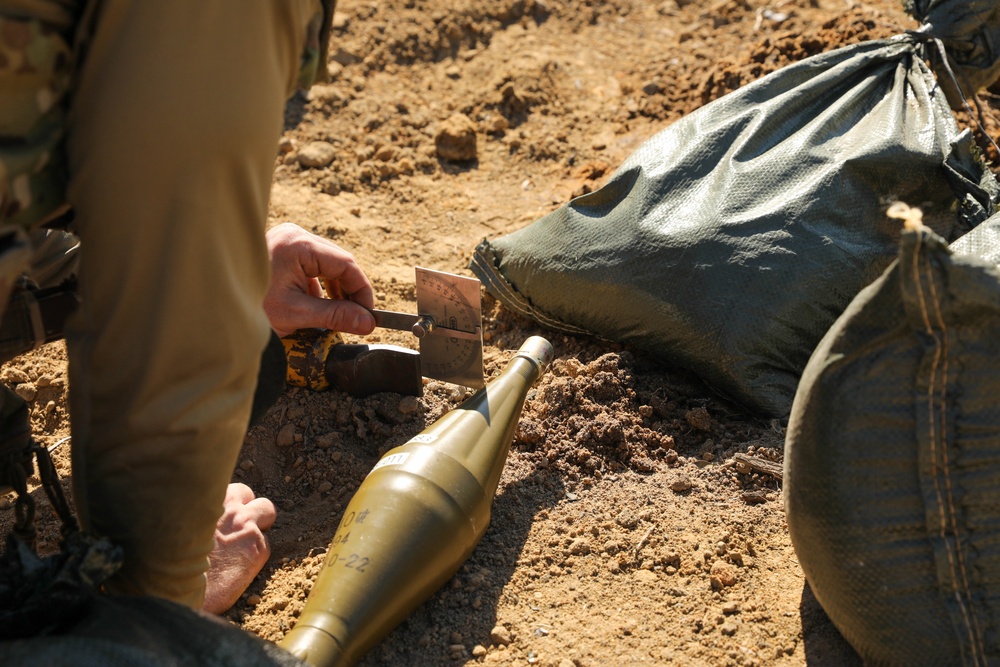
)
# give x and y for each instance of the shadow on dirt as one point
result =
(824, 645)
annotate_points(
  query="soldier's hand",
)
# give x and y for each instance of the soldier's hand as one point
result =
(299, 262)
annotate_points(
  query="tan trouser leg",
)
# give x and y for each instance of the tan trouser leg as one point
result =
(174, 123)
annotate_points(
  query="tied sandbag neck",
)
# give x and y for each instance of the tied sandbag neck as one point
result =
(924, 36)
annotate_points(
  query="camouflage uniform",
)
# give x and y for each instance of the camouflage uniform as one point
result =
(158, 123)
(35, 67)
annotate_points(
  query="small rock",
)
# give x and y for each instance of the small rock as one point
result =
(27, 391)
(500, 635)
(730, 608)
(651, 88)
(328, 440)
(580, 546)
(495, 124)
(728, 628)
(317, 154)
(644, 576)
(408, 405)
(246, 465)
(722, 574)
(699, 419)
(286, 436)
(341, 20)
(681, 483)
(754, 497)
(453, 72)
(478, 651)
(327, 94)
(15, 376)
(286, 145)
(324, 486)
(253, 600)
(456, 139)
(43, 381)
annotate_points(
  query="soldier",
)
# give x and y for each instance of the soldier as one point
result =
(156, 124)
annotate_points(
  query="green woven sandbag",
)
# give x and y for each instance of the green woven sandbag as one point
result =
(892, 461)
(730, 241)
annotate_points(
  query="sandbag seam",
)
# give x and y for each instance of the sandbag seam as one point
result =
(937, 393)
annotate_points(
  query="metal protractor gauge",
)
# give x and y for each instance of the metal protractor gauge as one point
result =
(453, 302)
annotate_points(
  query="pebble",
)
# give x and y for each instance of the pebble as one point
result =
(328, 440)
(456, 139)
(324, 486)
(327, 94)
(253, 600)
(15, 376)
(728, 628)
(644, 576)
(730, 608)
(27, 391)
(286, 436)
(44, 381)
(699, 419)
(246, 465)
(478, 651)
(317, 154)
(408, 405)
(500, 635)
(722, 574)
(341, 20)
(580, 546)
(681, 483)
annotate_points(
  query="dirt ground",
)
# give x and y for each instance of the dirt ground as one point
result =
(624, 530)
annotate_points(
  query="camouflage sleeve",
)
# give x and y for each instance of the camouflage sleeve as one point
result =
(35, 72)
(317, 47)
